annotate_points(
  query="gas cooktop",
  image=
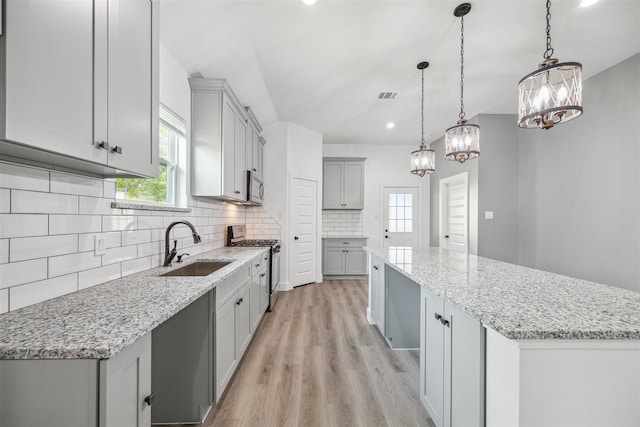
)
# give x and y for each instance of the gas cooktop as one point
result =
(256, 242)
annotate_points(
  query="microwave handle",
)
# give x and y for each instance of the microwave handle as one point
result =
(261, 190)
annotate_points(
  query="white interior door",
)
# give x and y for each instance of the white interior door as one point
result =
(304, 226)
(400, 216)
(454, 213)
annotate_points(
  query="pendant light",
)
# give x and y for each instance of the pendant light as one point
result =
(553, 93)
(423, 160)
(462, 142)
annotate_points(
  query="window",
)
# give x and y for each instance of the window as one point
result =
(163, 188)
(400, 213)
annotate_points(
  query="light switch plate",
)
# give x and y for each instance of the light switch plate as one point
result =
(488, 215)
(99, 245)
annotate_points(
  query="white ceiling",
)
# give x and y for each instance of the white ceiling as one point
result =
(322, 66)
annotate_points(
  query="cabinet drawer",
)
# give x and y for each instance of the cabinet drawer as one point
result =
(340, 243)
(231, 283)
(259, 262)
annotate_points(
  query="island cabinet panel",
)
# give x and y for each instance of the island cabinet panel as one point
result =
(452, 363)
(402, 310)
(377, 293)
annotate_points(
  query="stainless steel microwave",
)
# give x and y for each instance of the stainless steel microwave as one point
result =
(255, 188)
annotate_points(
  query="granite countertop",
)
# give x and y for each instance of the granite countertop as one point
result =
(520, 302)
(98, 322)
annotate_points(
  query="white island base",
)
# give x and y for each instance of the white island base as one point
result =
(562, 382)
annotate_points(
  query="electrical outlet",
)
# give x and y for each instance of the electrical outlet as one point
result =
(488, 215)
(99, 245)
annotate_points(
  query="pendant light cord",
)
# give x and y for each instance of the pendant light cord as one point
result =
(549, 52)
(422, 110)
(461, 115)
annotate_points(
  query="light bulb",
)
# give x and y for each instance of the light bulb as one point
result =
(309, 2)
(562, 93)
(587, 3)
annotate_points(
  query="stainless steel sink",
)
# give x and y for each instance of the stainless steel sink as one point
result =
(198, 268)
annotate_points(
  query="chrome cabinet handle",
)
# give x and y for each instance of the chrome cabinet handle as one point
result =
(149, 399)
(104, 145)
(117, 149)
(375, 267)
(263, 274)
(438, 317)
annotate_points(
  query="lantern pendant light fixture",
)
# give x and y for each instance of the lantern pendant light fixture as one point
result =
(462, 142)
(553, 93)
(423, 160)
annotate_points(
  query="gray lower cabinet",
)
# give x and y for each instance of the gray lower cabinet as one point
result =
(377, 291)
(78, 392)
(452, 364)
(182, 365)
(232, 335)
(344, 257)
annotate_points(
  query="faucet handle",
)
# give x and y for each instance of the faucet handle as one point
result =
(180, 256)
(175, 245)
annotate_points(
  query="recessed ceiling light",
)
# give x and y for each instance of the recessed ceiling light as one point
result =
(391, 125)
(587, 3)
(309, 2)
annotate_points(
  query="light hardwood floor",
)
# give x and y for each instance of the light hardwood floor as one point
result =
(315, 361)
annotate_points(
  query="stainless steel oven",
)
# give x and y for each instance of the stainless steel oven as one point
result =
(236, 236)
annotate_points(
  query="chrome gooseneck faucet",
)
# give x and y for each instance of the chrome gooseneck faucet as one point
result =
(169, 255)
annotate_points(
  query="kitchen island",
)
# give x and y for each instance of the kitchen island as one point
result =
(513, 345)
(93, 357)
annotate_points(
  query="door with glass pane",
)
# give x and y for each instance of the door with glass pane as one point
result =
(400, 216)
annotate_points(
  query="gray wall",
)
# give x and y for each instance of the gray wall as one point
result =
(579, 185)
(498, 187)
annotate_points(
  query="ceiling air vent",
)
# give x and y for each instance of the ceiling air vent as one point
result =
(387, 95)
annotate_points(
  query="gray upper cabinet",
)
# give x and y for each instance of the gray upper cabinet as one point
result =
(96, 109)
(343, 183)
(219, 134)
(255, 145)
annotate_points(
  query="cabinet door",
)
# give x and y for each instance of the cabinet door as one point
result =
(332, 185)
(125, 382)
(264, 285)
(260, 162)
(355, 262)
(464, 378)
(228, 149)
(256, 303)
(225, 345)
(45, 42)
(432, 356)
(243, 319)
(353, 185)
(240, 165)
(374, 289)
(132, 112)
(334, 261)
(255, 143)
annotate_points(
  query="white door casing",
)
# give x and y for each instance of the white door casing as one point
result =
(454, 213)
(400, 216)
(304, 226)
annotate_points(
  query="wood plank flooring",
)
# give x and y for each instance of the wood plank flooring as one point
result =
(315, 361)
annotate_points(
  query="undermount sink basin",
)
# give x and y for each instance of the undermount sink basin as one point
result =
(198, 268)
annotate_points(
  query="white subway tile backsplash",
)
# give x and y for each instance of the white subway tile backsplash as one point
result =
(23, 177)
(109, 188)
(145, 222)
(41, 247)
(68, 224)
(136, 237)
(21, 296)
(136, 265)
(17, 273)
(23, 225)
(96, 206)
(118, 223)
(65, 264)
(120, 254)
(4, 251)
(5, 200)
(95, 276)
(4, 300)
(76, 184)
(37, 202)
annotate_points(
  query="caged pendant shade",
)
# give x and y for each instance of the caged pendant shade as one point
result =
(462, 141)
(551, 94)
(423, 160)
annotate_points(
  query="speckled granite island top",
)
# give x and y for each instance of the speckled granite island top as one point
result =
(98, 322)
(521, 302)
